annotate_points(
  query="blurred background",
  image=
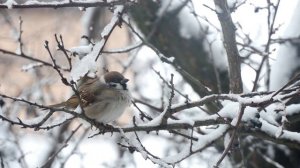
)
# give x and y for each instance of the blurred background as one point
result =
(185, 31)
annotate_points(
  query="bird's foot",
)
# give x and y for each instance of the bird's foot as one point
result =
(103, 128)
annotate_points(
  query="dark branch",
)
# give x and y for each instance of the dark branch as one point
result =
(55, 5)
(233, 55)
(22, 55)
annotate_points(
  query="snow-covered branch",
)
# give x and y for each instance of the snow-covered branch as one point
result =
(63, 4)
(179, 84)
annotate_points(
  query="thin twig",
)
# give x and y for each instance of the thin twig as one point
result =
(148, 105)
(233, 136)
(168, 113)
(20, 35)
(271, 31)
(166, 60)
(64, 80)
(143, 114)
(64, 4)
(168, 84)
(115, 21)
(61, 47)
(65, 144)
(74, 148)
(124, 50)
(55, 66)
(22, 55)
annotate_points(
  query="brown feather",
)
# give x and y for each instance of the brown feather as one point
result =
(87, 92)
(57, 105)
(91, 89)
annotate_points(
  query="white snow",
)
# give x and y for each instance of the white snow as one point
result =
(87, 65)
(31, 66)
(287, 59)
(157, 120)
(82, 50)
(10, 3)
(34, 147)
(108, 27)
(78, 110)
(218, 9)
(138, 146)
(204, 140)
(271, 130)
(90, 148)
(189, 27)
(226, 139)
(231, 3)
(171, 59)
(269, 116)
(286, 62)
(292, 109)
(230, 110)
(197, 27)
(255, 100)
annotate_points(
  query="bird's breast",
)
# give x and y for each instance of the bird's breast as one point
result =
(107, 109)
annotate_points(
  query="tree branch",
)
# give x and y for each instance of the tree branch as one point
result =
(55, 4)
(22, 55)
(233, 55)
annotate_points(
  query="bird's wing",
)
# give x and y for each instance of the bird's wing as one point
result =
(88, 91)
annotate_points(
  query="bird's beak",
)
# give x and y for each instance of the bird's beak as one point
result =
(124, 81)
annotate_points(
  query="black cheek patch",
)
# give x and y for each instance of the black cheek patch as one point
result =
(124, 86)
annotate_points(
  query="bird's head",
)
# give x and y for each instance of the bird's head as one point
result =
(116, 80)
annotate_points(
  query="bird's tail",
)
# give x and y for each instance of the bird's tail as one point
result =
(59, 105)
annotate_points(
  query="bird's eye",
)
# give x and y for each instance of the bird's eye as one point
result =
(112, 85)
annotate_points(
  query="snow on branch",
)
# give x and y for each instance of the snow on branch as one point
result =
(88, 64)
(253, 105)
(63, 4)
(248, 113)
(204, 142)
(257, 114)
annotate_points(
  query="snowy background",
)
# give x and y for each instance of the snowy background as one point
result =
(21, 78)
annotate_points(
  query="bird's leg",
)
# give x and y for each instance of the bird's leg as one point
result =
(103, 128)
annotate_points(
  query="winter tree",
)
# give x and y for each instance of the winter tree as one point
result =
(213, 83)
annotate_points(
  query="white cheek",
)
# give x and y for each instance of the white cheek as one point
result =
(119, 86)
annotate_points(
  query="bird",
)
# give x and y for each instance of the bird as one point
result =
(102, 98)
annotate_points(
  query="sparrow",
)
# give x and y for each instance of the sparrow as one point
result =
(103, 99)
